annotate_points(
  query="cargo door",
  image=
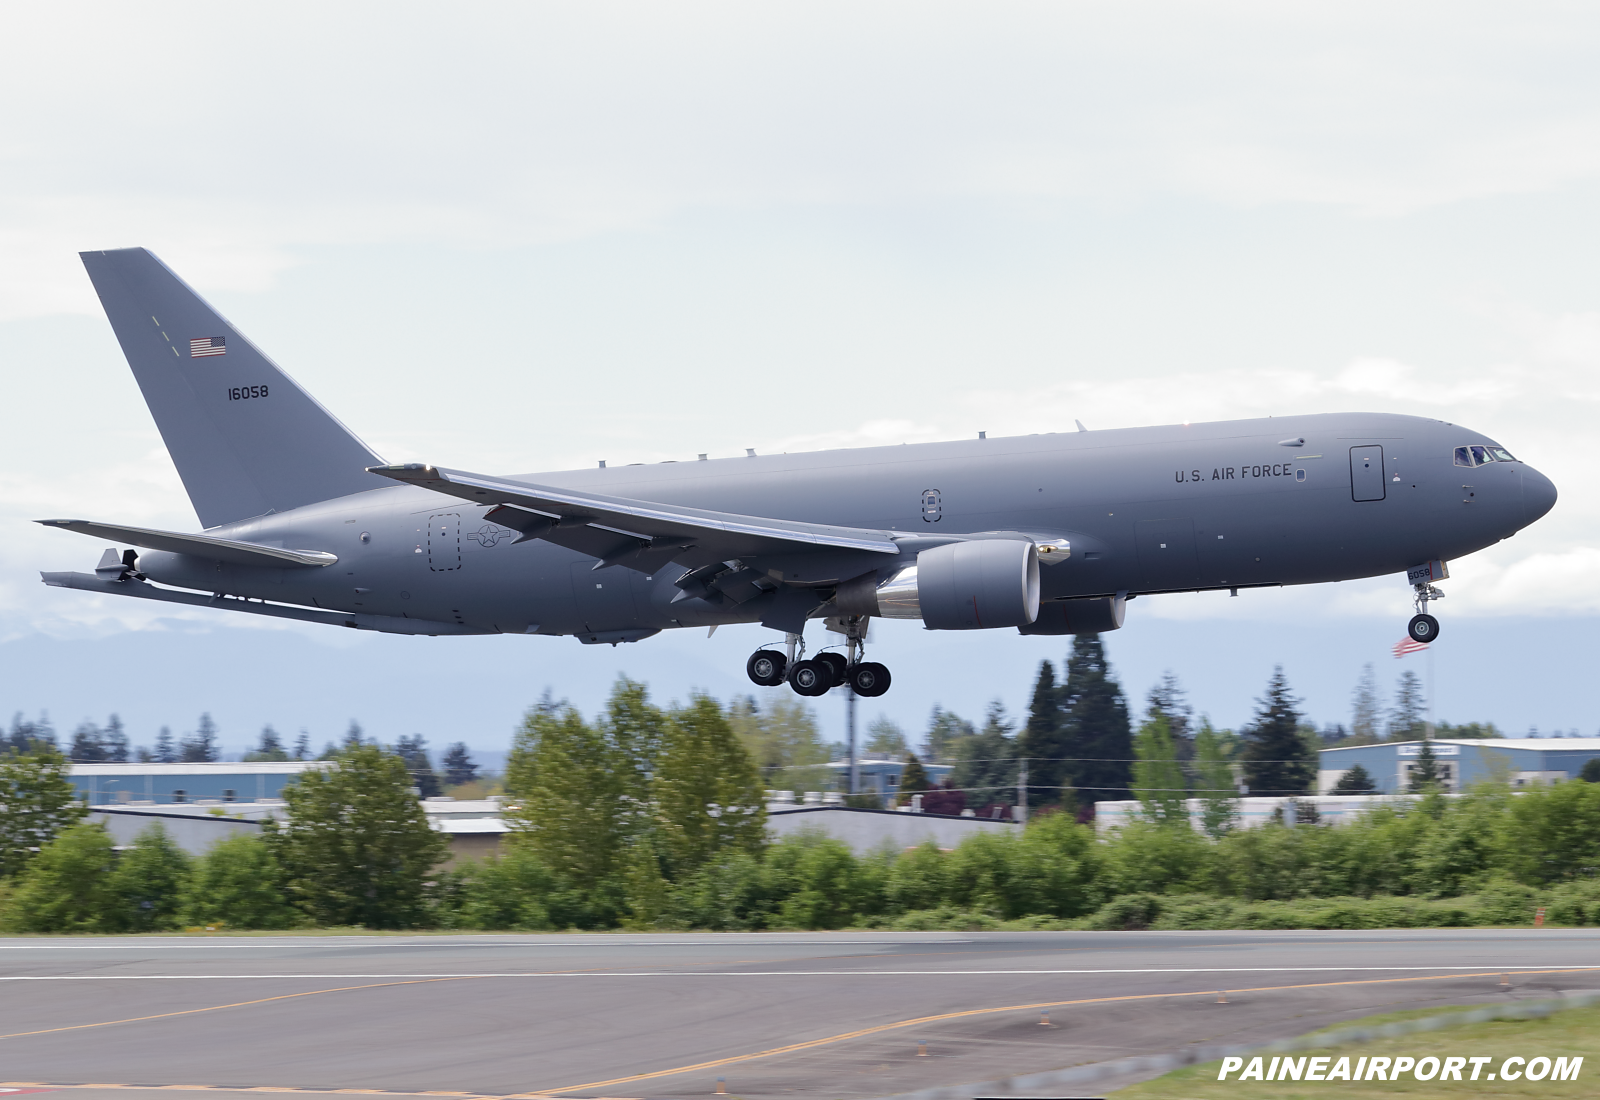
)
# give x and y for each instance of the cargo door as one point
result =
(1366, 473)
(1167, 557)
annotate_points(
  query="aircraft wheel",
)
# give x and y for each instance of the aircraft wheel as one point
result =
(869, 679)
(1423, 628)
(765, 667)
(837, 665)
(810, 678)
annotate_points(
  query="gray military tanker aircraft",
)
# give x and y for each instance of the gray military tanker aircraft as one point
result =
(1046, 534)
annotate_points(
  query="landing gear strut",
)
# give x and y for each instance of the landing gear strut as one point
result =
(827, 670)
(1423, 627)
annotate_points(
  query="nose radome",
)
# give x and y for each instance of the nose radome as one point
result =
(1538, 494)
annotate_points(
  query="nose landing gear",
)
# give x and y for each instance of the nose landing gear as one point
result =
(1423, 627)
(827, 670)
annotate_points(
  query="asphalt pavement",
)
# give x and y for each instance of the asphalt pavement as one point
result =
(836, 1014)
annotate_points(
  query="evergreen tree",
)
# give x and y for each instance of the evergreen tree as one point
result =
(459, 769)
(1157, 775)
(114, 739)
(946, 732)
(1167, 699)
(142, 755)
(164, 752)
(239, 883)
(1425, 776)
(270, 747)
(1096, 731)
(1408, 718)
(67, 887)
(358, 850)
(352, 736)
(1357, 780)
(200, 747)
(1214, 782)
(37, 801)
(1042, 741)
(149, 881)
(302, 746)
(413, 751)
(986, 770)
(86, 745)
(1366, 712)
(1275, 758)
(25, 736)
(885, 736)
(708, 795)
(914, 780)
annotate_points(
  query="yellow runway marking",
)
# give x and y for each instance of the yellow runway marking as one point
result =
(814, 1043)
(215, 1008)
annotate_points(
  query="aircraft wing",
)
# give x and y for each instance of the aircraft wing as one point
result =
(638, 534)
(231, 551)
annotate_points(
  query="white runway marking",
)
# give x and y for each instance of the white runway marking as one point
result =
(1484, 968)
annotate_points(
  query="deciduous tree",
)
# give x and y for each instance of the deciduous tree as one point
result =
(37, 802)
(149, 882)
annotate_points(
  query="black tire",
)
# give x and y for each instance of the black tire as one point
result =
(836, 664)
(810, 678)
(766, 667)
(869, 679)
(1423, 628)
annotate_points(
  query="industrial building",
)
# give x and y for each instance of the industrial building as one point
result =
(1520, 761)
(175, 784)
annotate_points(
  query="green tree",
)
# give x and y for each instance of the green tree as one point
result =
(946, 732)
(115, 741)
(1408, 717)
(200, 747)
(1214, 781)
(1157, 776)
(708, 795)
(781, 735)
(1166, 698)
(1357, 780)
(68, 886)
(1591, 770)
(270, 747)
(1275, 757)
(885, 735)
(37, 801)
(164, 752)
(459, 770)
(1425, 776)
(987, 767)
(1366, 710)
(149, 882)
(1096, 731)
(86, 744)
(357, 848)
(1043, 743)
(572, 805)
(914, 780)
(413, 750)
(239, 883)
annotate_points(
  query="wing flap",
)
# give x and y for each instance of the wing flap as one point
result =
(652, 532)
(209, 547)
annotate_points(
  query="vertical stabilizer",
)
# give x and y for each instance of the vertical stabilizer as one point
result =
(245, 437)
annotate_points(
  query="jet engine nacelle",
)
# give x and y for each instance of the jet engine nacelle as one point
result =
(959, 586)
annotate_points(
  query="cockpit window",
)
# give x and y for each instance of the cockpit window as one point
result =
(1478, 455)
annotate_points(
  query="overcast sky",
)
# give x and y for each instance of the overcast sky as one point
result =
(515, 238)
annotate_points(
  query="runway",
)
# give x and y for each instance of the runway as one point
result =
(844, 1014)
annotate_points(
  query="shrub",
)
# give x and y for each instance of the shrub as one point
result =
(238, 883)
(149, 883)
(67, 887)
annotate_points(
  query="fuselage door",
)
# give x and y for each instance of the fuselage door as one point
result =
(444, 542)
(1366, 473)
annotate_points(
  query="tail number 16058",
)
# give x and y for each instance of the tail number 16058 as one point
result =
(245, 393)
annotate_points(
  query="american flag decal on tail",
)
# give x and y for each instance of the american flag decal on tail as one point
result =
(202, 346)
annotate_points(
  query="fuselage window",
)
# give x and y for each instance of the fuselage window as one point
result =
(1463, 457)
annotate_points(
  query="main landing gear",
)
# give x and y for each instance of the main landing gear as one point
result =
(822, 673)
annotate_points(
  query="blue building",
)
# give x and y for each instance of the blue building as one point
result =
(1519, 761)
(880, 773)
(158, 784)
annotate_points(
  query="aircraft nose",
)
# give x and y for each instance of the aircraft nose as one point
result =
(1538, 494)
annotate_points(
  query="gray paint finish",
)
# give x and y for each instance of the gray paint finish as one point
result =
(1171, 508)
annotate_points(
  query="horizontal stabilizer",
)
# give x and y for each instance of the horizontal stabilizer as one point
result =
(387, 624)
(200, 546)
(652, 532)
